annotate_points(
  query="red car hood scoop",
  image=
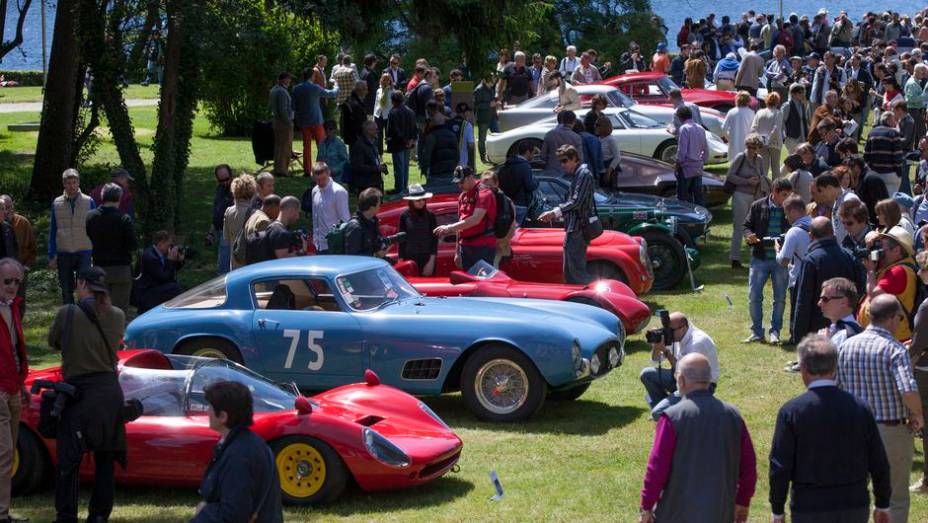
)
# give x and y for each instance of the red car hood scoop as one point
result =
(369, 420)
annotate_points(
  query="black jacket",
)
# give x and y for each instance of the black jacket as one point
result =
(8, 246)
(154, 271)
(517, 180)
(222, 200)
(826, 444)
(824, 260)
(240, 482)
(441, 153)
(354, 114)
(372, 79)
(362, 236)
(871, 190)
(401, 127)
(365, 165)
(757, 220)
(420, 241)
(400, 80)
(112, 235)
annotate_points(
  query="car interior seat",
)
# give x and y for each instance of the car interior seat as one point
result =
(282, 299)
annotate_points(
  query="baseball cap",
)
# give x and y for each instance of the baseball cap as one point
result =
(119, 172)
(95, 278)
(904, 200)
(661, 47)
(461, 172)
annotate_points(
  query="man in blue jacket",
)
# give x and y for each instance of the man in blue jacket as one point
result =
(307, 115)
(240, 484)
(518, 182)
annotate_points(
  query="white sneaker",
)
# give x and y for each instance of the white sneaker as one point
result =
(774, 338)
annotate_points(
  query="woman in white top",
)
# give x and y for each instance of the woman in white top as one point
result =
(382, 103)
(568, 99)
(737, 124)
(612, 153)
(768, 123)
(550, 67)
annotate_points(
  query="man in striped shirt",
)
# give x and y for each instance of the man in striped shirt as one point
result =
(876, 368)
(576, 213)
(883, 151)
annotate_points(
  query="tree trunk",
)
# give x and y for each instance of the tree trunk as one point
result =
(53, 153)
(137, 56)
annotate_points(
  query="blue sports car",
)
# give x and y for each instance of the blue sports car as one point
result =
(320, 321)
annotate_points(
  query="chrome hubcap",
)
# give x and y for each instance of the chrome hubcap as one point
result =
(502, 386)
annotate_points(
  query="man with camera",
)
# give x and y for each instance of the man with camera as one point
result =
(157, 280)
(825, 260)
(792, 246)
(765, 222)
(891, 270)
(362, 232)
(281, 241)
(673, 340)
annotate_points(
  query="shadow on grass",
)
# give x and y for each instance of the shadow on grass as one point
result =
(638, 345)
(578, 417)
(356, 501)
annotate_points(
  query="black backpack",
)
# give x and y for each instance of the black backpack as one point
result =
(335, 238)
(504, 214)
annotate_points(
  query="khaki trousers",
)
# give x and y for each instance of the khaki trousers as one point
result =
(10, 408)
(119, 284)
(899, 451)
(283, 147)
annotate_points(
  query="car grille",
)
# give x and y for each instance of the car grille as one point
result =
(439, 466)
(427, 369)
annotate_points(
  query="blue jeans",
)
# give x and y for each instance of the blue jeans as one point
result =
(472, 255)
(906, 185)
(401, 170)
(521, 212)
(658, 382)
(223, 261)
(690, 190)
(761, 271)
(69, 264)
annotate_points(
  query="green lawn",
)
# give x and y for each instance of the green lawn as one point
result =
(575, 461)
(34, 94)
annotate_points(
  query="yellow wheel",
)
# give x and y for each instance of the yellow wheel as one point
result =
(301, 469)
(310, 471)
(30, 462)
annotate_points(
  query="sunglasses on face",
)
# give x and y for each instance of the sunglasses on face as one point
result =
(826, 299)
(12, 281)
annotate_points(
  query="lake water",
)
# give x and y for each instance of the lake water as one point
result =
(29, 56)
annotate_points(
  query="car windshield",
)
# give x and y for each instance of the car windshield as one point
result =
(618, 99)
(374, 288)
(636, 120)
(600, 198)
(482, 270)
(666, 84)
(206, 296)
(175, 391)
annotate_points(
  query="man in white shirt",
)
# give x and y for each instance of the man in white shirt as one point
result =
(795, 245)
(330, 205)
(569, 62)
(660, 384)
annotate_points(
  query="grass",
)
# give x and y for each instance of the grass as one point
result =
(576, 461)
(34, 94)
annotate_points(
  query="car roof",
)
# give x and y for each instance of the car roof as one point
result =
(328, 266)
(594, 88)
(642, 75)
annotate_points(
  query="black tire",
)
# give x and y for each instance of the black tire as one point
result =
(668, 259)
(667, 149)
(536, 143)
(501, 358)
(29, 473)
(569, 394)
(287, 453)
(603, 270)
(210, 348)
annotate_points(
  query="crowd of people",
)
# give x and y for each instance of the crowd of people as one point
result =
(839, 228)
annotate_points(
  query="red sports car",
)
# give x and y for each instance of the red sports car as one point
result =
(537, 254)
(378, 436)
(653, 88)
(485, 281)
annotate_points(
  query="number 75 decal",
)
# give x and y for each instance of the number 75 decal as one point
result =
(313, 337)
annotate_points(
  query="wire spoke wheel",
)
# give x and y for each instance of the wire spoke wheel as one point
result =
(502, 386)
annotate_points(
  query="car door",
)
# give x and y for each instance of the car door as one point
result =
(302, 334)
(629, 140)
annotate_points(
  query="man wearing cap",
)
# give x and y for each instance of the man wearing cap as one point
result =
(661, 60)
(14, 367)
(120, 177)
(895, 273)
(477, 211)
(281, 109)
(330, 205)
(112, 235)
(69, 246)
(88, 335)
(576, 213)
(877, 369)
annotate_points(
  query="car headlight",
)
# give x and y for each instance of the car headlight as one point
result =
(614, 358)
(383, 449)
(594, 364)
(434, 416)
(575, 355)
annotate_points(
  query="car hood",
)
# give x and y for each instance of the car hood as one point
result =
(555, 237)
(689, 212)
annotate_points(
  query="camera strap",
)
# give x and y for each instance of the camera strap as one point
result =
(92, 316)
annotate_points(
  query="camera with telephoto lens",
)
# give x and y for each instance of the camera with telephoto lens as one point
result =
(771, 241)
(399, 237)
(185, 251)
(663, 333)
(860, 253)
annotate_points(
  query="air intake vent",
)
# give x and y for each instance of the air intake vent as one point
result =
(422, 369)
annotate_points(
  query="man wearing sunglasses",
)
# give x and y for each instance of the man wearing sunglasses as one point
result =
(838, 301)
(14, 365)
(222, 200)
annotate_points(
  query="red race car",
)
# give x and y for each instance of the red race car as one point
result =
(378, 436)
(537, 254)
(653, 88)
(485, 281)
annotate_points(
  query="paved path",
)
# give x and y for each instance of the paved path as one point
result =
(36, 107)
